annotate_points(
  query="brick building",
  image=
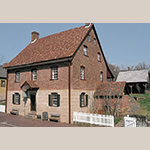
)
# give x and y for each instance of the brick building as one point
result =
(2, 83)
(57, 73)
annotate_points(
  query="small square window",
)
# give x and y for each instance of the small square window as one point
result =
(2, 83)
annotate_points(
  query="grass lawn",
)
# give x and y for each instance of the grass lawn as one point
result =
(144, 105)
(2, 103)
(116, 120)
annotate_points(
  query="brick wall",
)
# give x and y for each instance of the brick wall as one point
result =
(92, 66)
(43, 78)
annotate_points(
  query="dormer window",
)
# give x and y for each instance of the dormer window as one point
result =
(85, 50)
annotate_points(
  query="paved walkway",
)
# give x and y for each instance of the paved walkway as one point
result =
(8, 120)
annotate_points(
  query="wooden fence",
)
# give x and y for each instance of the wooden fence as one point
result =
(97, 119)
(2, 108)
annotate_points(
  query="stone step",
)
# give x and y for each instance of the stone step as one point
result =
(31, 115)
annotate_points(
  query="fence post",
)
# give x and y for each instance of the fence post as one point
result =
(112, 121)
(91, 119)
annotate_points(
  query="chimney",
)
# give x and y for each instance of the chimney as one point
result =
(34, 36)
(87, 25)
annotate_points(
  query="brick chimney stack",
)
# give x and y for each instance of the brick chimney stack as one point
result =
(34, 35)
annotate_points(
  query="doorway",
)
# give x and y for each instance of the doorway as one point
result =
(33, 102)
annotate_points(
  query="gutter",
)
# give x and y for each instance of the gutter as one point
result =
(6, 93)
(69, 89)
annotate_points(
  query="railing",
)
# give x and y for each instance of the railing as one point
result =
(97, 119)
(129, 121)
(25, 109)
(2, 108)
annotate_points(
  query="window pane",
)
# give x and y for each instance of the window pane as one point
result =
(34, 75)
(2, 83)
(54, 73)
(54, 99)
(82, 73)
(98, 55)
(17, 98)
(85, 50)
(101, 76)
(17, 76)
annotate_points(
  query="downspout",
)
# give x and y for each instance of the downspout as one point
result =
(69, 82)
(6, 93)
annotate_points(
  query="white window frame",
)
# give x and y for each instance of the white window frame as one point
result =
(82, 99)
(34, 75)
(98, 56)
(17, 98)
(101, 76)
(54, 99)
(3, 83)
(17, 76)
(55, 73)
(85, 50)
(82, 73)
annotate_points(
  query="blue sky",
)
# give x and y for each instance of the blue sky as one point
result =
(126, 43)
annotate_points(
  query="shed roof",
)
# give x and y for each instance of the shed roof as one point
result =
(110, 88)
(134, 76)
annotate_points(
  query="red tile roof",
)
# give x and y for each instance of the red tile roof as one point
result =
(56, 46)
(105, 88)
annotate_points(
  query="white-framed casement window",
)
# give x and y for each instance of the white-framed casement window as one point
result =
(85, 50)
(101, 76)
(16, 98)
(94, 41)
(17, 76)
(34, 74)
(83, 100)
(54, 73)
(54, 100)
(98, 56)
(82, 73)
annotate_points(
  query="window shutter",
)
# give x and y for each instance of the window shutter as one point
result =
(49, 100)
(86, 100)
(19, 100)
(58, 100)
(13, 98)
(80, 100)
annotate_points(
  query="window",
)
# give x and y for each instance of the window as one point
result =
(54, 100)
(16, 98)
(17, 76)
(98, 56)
(83, 100)
(89, 38)
(54, 73)
(34, 75)
(2, 83)
(85, 50)
(101, 76)
(94, 41)
(82, 73)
